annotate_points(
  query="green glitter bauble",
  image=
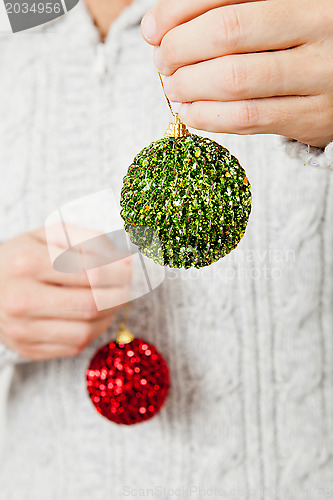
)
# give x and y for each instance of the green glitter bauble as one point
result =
(185, 201)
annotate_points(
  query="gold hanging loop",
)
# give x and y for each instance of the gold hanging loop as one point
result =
(178, 128)
(124, 336)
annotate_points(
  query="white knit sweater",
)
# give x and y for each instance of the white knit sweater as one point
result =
(249, 340)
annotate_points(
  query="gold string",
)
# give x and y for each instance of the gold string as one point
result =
(167, 98)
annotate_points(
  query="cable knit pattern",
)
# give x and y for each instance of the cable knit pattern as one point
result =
(248, 340)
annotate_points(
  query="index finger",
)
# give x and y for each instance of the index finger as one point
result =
(168, 14)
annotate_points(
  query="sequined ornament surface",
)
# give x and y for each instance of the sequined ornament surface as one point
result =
(128, 382)
(191, 193)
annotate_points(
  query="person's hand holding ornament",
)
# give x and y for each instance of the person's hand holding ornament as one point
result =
(260, 67)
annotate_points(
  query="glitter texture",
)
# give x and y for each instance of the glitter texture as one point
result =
(190, 196)
(128, 383)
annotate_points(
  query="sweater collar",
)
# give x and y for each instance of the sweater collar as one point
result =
(78, 27)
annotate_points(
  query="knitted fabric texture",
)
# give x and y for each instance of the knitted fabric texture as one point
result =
(315, 157)
(248, 340)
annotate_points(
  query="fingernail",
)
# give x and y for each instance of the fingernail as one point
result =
(183, 111)
(158, 59)
(149, 26)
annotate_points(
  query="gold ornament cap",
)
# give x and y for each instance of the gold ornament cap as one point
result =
(177, 129)
(124, 336)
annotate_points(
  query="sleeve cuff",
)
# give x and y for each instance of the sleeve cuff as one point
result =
(315, 157)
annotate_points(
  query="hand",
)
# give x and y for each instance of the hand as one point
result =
(47, 314)
(263, 67)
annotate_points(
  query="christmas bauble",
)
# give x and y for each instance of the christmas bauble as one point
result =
(128, 382)
(192, 194)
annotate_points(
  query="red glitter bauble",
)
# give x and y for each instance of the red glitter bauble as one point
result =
(128, 383)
